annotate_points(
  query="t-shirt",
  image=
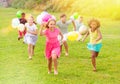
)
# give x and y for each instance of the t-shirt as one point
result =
(31, 28)
(64, 26)
(78, 24)
(52, 36)
(23, 21)
(93, 37)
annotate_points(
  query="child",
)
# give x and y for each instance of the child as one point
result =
(22, 21)
(31, 36)
(52, 50)
(78, 24)
(95, 40)
(63, 25)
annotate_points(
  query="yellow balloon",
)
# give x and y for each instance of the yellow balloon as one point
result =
(72, 36)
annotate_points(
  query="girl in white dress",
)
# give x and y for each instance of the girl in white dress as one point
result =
(31, 36)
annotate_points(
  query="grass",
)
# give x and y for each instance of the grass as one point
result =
(15, 68)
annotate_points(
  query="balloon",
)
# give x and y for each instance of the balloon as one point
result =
(83, 30)
(39, 17)
(44, 12)
(46, 17)
(72, 17)
(75, 15)
(72, 36)
(21, 27)
(53, 17)
(19, 14)
(15, 22)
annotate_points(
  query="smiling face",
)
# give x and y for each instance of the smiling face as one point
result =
(93, 25)
(52, 24)
(30, 21)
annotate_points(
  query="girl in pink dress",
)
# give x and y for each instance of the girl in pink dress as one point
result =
(52, 51)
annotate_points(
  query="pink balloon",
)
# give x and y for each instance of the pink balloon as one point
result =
(46, 17)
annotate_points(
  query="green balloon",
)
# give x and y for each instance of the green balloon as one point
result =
(19, 14)
(75, 15)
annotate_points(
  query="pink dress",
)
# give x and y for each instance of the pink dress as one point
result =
(52, 43)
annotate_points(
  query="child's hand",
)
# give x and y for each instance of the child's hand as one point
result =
(28, 31)
(42, 25)
(63, 41)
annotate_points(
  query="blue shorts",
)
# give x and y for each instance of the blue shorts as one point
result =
(94, 47)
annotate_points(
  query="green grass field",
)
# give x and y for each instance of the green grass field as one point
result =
(15, 68)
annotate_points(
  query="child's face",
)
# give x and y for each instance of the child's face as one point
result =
(23, 16)
(30, 20)
(80, 19)
(63, 19)
(52, 24)
(93, 25)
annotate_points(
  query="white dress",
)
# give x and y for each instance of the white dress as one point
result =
(30, 38)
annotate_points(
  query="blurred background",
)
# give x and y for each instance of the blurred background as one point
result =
(97, 8)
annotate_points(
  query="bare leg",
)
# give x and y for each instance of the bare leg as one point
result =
(54, 58)
(66, 47)
(49, 65)
(97, 54)
(61, 48)
(33, 47)
(29, 51)
(93, 57)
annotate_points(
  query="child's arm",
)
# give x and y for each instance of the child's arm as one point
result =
(41, 30)
(74, 25)
(85, 36)
(33, 32)
(99, 35)
(61, 35)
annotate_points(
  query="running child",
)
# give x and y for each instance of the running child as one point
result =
(22, 21)
(52, 51)
(95, 43)
(63, 25)
(31, 36)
